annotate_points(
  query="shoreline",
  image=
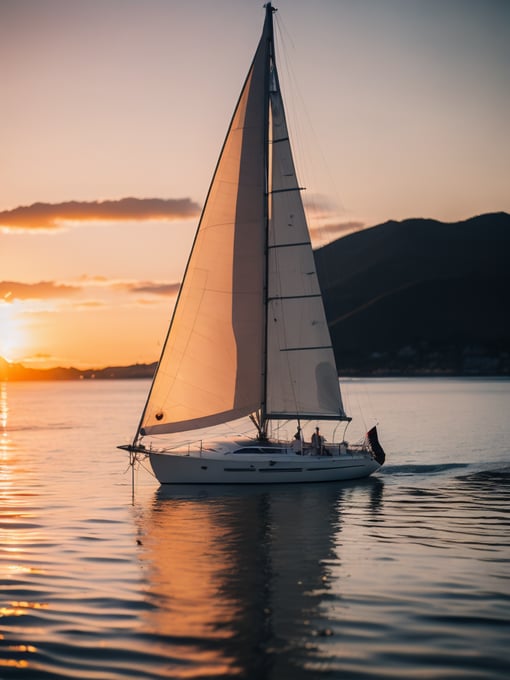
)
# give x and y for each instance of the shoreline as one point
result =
(19, 373)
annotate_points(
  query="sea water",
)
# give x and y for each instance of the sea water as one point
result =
(405, 574)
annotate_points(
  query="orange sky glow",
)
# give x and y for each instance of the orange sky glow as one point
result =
(114, 112)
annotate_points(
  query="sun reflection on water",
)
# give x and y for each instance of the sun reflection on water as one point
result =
(14, 535)
(189, 567)
(4, 413)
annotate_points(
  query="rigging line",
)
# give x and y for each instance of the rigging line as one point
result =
(135, 463)
(141, 463)
(353, 393)
(311, 165)
(309, 417)
(367, 399)
(289, 90)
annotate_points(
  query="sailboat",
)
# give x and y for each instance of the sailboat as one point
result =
(247, 375)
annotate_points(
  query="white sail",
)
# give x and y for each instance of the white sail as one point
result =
(211, 369)
(302, 379)
(249, 333)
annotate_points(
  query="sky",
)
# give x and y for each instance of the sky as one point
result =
(113, 113)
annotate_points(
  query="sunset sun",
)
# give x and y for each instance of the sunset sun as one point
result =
(12, 334)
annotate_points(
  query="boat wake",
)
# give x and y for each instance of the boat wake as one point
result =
(496, 476)
(492, 473)
(414, 469)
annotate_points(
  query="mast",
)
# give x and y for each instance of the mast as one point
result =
(270, 61)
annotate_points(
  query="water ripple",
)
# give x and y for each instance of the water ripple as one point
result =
(402, 575)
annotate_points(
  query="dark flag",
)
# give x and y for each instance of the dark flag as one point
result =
(375, 446)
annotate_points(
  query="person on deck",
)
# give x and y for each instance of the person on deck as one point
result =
(317, 442)
(297, 444)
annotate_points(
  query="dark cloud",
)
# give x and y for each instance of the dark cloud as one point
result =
(318, 202)
(44, 290)
(338, 229)
(53, 215)
(167, 289)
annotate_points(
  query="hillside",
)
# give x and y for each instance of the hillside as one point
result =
(420, 296)
(411, 297)
(19, 372)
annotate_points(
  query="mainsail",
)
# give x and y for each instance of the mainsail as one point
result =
(302, 377)
(248, 333)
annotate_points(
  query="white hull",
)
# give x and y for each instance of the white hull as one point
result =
(261, 468)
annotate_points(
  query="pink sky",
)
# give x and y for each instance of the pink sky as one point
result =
(114, 111)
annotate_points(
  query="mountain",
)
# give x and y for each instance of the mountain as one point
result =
(420, 296)
(411, 297)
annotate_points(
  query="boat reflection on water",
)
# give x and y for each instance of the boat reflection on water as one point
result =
(236, 577)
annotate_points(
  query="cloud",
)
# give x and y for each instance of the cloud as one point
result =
(44, 290)
(55, 215)
(336, 229)
(325, 219)
(166, 289)
(128, 286)
(150, 287)
(319, 205)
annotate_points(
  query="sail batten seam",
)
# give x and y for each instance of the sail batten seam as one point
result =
(288, 245)
(282, 191)
(304, 349)
(293, 297)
